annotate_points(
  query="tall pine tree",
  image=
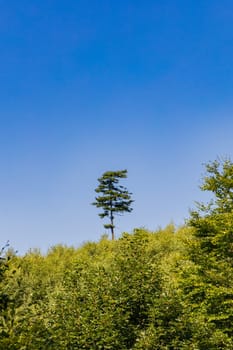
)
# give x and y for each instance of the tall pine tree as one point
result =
(114, 198)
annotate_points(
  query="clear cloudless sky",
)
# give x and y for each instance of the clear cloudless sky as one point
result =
(90, 86)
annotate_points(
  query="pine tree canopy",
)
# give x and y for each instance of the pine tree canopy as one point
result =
(114, 198)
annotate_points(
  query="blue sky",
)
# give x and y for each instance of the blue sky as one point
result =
(90, 86)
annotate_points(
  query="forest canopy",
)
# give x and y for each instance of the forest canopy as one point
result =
(167, 289)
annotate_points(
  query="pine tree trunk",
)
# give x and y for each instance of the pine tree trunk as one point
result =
(112, 232)
(112, 227)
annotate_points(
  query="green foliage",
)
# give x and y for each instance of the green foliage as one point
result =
(212, 254)
(143, 291)
(219, 181)
(166, 290)
(3, 268)
(113, 198)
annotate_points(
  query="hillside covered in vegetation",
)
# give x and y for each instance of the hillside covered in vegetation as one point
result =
(169, 289)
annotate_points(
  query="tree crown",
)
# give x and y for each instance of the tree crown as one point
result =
(113, 198)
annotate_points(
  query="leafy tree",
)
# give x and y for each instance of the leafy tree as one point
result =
(113, 198)
(211, 251)
(213, 222)
(7, 311)
(219, 181)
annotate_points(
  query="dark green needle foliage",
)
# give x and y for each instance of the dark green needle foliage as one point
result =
(114, 198)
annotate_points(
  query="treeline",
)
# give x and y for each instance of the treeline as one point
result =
(169, 289)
